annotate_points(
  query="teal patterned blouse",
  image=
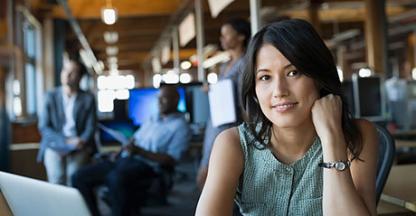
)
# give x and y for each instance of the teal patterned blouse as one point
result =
(269, 187)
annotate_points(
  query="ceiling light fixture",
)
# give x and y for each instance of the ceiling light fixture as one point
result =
(110, 37)
(109, 14)
(111, 50)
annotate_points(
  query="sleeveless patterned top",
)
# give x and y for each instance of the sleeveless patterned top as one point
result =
(269, 187)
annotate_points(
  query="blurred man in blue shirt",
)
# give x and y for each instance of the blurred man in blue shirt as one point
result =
(158, 143)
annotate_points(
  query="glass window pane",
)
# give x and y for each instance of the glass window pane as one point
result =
(29, 40)
(30, 88)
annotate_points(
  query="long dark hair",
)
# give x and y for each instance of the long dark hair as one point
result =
(242, 27)
(298, 41)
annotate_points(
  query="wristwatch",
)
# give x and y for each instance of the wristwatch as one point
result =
(338, 165)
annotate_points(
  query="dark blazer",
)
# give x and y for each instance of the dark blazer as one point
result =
(52, 121)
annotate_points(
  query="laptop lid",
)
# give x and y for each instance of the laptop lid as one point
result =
(27, 196)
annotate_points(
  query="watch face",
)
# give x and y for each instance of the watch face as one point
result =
(340, 166)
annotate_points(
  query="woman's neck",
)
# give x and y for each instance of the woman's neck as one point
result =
(236, 53)
(291, 144)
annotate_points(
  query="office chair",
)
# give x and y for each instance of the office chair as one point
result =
(158, 187)
(387, 151)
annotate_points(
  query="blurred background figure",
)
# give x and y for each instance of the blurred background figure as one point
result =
(67, 124)
(235, 35)
(157, 145)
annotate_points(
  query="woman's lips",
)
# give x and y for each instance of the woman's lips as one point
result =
(283, 107)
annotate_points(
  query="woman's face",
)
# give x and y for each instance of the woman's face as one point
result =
(285, 95)
(230, 39)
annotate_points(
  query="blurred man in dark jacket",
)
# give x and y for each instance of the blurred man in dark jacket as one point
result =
(67, 124)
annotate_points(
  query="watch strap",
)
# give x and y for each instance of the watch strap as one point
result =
(330, 165)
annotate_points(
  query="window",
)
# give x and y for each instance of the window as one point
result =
(27, 84)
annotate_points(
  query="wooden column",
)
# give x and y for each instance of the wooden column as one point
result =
(313, 14)
(255, 6)
(375, 35)
(342, 62)
(408, 61)
(200, 39)
(48, 54)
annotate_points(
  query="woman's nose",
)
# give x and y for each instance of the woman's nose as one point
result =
(280, 88)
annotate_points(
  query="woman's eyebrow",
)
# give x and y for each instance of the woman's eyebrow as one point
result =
(262, 70)
(267, 70)
(288, 66)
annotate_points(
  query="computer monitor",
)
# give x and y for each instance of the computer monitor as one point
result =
(411, 89)
(348, 92)
(197, 103)
(369, 98)
(411, 105)
(120, 110)
(143, 103)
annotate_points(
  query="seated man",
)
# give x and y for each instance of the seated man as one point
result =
(67, 124)
(159, 142)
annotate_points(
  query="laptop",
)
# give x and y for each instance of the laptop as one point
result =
(30, 197)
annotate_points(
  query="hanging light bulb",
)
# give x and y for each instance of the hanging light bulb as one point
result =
(109, 14)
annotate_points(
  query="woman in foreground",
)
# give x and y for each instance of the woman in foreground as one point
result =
(299, 152)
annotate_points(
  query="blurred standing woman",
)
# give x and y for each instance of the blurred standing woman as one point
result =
(299, 153)
(235, 35)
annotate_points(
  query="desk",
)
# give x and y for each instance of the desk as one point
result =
(405, 143)
(4, 207)
(400, 184)
(409, 134)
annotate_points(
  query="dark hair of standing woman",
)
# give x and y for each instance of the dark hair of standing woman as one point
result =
(242, 27)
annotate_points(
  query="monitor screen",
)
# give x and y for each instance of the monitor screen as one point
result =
(369, 101)
(198, 104)
(411, 89)
(143, 103)
(348, 93)
(120, 110)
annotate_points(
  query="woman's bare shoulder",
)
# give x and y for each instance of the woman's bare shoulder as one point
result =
(365, 125)
(368, 133)
(229, 141)
(230, 134)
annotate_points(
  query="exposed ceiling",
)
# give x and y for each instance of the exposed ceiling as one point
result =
(141, 22)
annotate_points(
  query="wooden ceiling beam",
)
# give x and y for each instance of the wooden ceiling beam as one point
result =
(91, 9)
(131, 45)
(3, 31)
(341, 14)
(132, 57)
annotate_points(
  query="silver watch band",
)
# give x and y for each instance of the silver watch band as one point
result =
(338, 165)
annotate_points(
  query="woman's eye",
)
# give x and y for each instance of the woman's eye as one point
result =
(293, 73)
(264, 77)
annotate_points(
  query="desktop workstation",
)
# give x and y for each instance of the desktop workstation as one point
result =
(368, 98)
(128, 115)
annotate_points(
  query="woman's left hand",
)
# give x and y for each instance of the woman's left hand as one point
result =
(326, 116)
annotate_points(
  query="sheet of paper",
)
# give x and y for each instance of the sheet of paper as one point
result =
(221, 103)
(187, 29)
(117, 135)
(165, 53)
(216, 6)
